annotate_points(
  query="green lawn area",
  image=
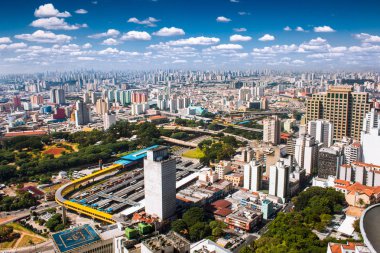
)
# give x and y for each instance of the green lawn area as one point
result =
(19, 227)
(194, 153)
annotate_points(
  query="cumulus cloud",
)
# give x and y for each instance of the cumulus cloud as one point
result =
(368, 38)
(109, 51)
(108, 33)
(238, 30)
(287, 28)
(81, 11)
(13, 46)
(5, 40)
(323, 29)
(110, 42)
(299, 29)
(223, 19)
(227, 47)
(194, 41)
(267, 37)
(54, 23)
(45, 37)
(136, 35)
(238, 37)
(172, 31)
(151, 22)
(179, 61)
(86, 58)
(48, 10)
(298, 62)
(87, 46)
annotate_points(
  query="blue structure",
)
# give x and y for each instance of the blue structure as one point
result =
(71, 239)
(122, 162)
(138, 155)
(267, 208)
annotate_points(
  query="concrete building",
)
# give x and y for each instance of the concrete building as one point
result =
(169, 243)
(279, 179)
(82, 114)
(342, 107)
(329, 160)
(57, 96)
(363, 173)
(101, 106)
(271, 130)
(223, 168)
(306, 153)
(108, 120)
(253, 172)
(160, 183)
(322, 131)
(370, 137)
(353, 152)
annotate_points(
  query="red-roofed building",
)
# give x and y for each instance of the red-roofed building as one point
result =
(38, 194)
(350, 247)
(25, 133)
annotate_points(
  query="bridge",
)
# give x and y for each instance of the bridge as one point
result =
(179, 142)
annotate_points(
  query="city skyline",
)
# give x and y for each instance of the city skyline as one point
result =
(228, 34)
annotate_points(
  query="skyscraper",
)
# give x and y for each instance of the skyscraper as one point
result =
(370, 138)
(322, 131)
(306, 153)
(57, 96)
(329, 160)
(108, 120)
(102, 106)
(279, 179)
(272, 130)
(82, 114)
(160, 183)
(342, 107)
(252, 175)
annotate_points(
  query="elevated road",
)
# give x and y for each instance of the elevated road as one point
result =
(179, 142)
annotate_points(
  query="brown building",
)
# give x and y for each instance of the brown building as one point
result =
(341, 106)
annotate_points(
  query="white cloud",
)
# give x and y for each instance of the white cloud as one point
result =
(194, 41)
(323, 29)
(179, 61)
(110, 42)
(172, 31)
(267, 37)
(54, 23)
(108, 33)
(238, 37)
(234, 1)
(48, 10)
(151, 22)
(223, 19)
(299, 29)
(298, 62)
(13, 46)
(244, 13)
(227, 47)
(87, 46)
(86, 58)
(136, 35)
(5, 40)
(287, 28)
(368, 38)
(45, 37)
(108, 51)
(242, 29)
(81, 11)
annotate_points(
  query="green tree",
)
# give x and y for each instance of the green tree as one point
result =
(193, 215)
(199, 231)
(179, 226)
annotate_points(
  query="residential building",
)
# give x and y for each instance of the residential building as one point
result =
(322, 131)
(271, 130)
(279, 179)
(160, 183)
(168, 243)
(353, 152)
(349, 247)
(253, 176)
(101, 106)
(82, 114)
(108, 120)
(363, 173)
(370, 137)
(342, 107)
(329, 160)
(57, 96)
(306, 153)
(360, 195)
(235, 178)
(223, 168)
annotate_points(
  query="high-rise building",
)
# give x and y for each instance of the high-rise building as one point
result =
(102, 106)
(252, 175)
(16, 101)
(279, 179)
(160, 183)
(329, 160)
(108, 120)
(363, 173)
(306, 153)
(370, 137)
(57, 96)
(353, 152)
(82, 114)
(342, 107)
(322, 131)
(37, 99)
(272, 130)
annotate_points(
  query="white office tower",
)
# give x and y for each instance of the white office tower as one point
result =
(57, 96)
(173, 105)
(272, 130)
(306, 153)
(352, 153)
(160, 183)
(279, 179)
(370, 138)
(257, 92)
(253, 175)
(82, 114)
(322, 131)
(108, 120)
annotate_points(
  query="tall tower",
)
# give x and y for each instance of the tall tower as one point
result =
(322, 131)
(279, 180)
(252, 176)
(272, 130)
(160, 183)
(82, 114)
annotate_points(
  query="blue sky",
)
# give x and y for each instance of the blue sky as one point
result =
(190, 34)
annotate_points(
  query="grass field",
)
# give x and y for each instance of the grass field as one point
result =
(28, 240)
(194, 153)
(8, 245)
(18, 227)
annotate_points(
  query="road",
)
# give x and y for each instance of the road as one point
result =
(18, 215)
(46, 247)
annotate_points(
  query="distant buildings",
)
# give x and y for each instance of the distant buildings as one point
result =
(169, 243)
(322, 131)
(272, 130)
(370, 137)
(160, 183)
(342, 107)
(108, 120)
(82, 114)
(57, 96)
(101, 106)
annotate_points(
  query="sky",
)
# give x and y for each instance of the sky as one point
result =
(107, 35)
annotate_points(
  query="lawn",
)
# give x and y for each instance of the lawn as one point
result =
(19, 227)
(27, 239)
(8, 245)
(194, 153)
